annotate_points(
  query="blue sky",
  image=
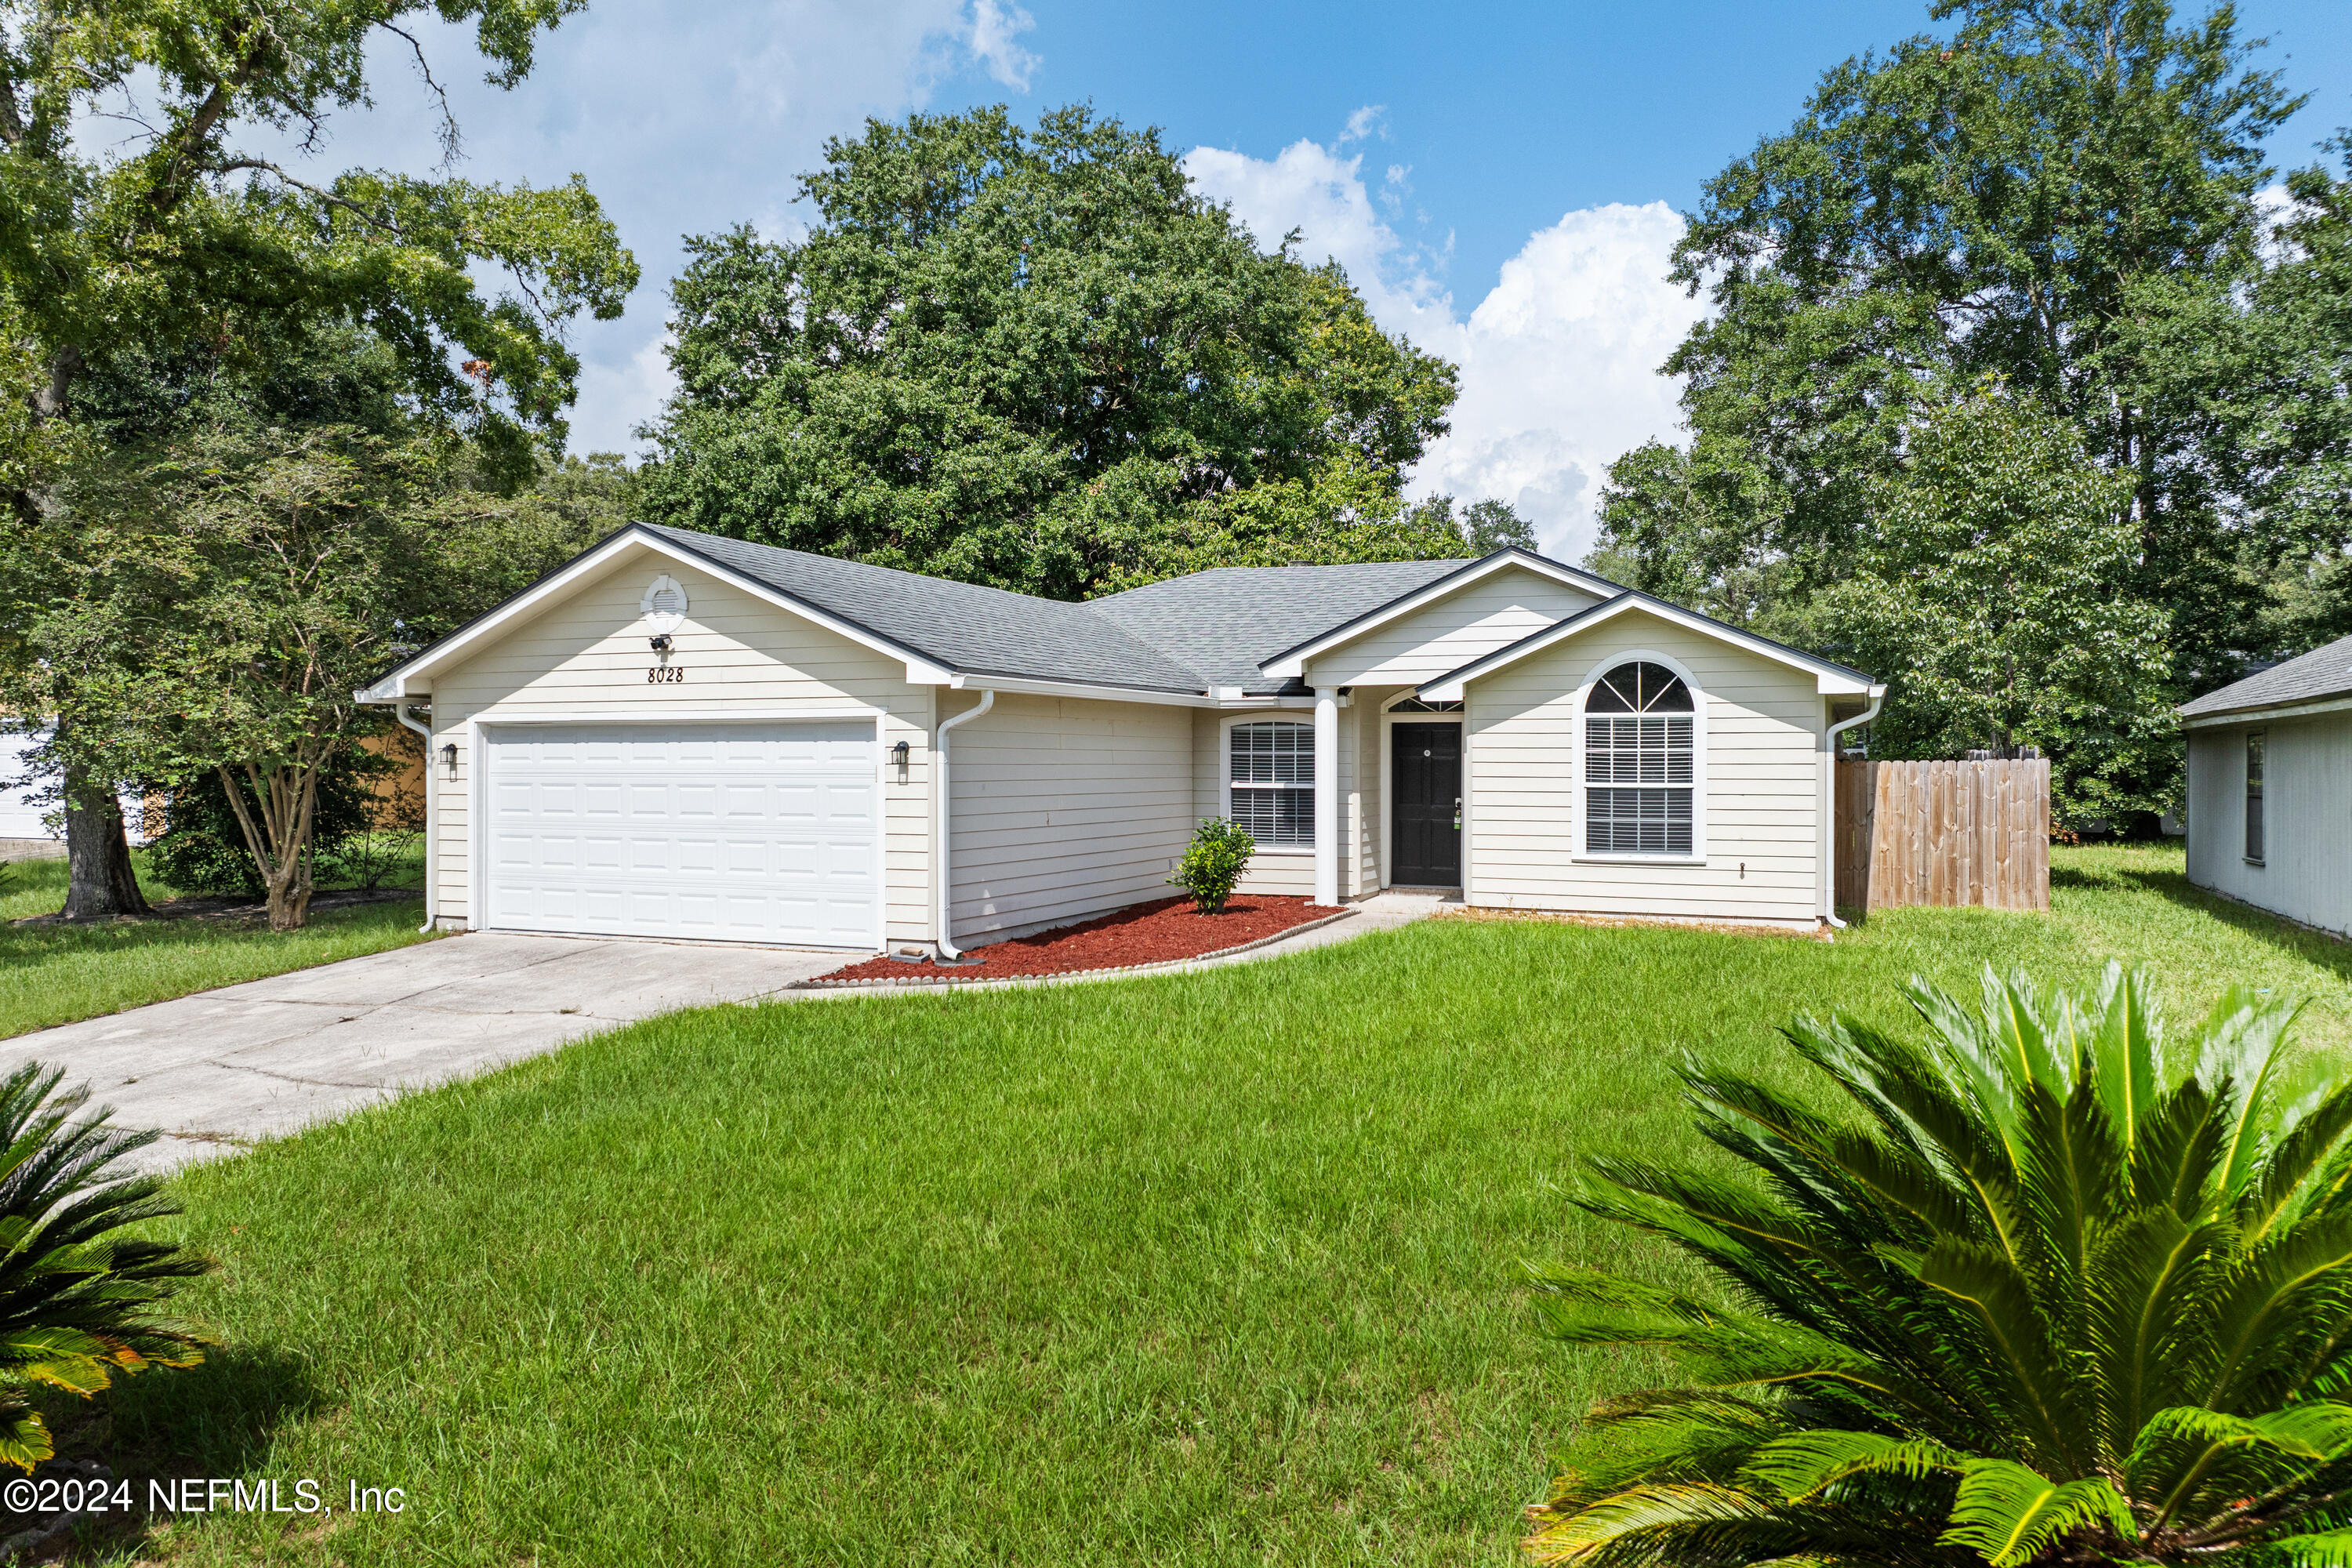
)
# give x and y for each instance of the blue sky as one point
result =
(1511, 114)
(1502, 180)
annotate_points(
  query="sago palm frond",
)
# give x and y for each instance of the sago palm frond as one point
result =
(2051, 1287)
(79, 1300)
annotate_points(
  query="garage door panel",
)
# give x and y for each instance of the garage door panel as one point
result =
(745, 832)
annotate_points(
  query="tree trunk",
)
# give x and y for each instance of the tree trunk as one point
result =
(279, 838)
(99, 883)
(289, 895)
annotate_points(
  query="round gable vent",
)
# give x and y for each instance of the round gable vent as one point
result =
(664, 605)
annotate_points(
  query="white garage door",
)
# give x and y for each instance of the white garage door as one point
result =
(731, 831)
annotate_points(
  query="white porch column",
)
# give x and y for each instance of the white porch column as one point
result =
(1326, 795)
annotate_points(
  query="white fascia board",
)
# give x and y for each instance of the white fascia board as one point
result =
(1023, 687)
(1293, 663)
(1828, 680)
(401, 682)
(2260, 715)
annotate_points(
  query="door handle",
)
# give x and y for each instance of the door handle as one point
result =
(1457, 814)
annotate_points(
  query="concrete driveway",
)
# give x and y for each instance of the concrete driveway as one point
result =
(223, 1069)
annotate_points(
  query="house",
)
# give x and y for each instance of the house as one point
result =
(680, 736)
(2270, 788)
(30, 819)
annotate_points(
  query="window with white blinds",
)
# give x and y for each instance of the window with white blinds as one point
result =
(1273, 781)
(1639, 764)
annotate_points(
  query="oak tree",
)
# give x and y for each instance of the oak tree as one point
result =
(192, 230)
(1036, 358)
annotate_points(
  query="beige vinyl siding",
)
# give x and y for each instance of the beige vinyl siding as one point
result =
(588, 654)
(1468, 623)
(1064, 808)
(2306, 873)
(1291, 872)
(1761, 762)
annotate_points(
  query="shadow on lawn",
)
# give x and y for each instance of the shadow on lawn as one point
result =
(214, 1419)
(2328, 952)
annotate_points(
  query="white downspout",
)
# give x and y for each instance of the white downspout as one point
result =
(432, 844)
(1829, 803)
(939, 818)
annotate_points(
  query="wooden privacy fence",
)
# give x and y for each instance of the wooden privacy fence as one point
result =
(1944, 833)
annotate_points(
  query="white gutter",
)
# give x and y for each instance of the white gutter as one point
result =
(432, 844)
(939, 813)
(1829, 804)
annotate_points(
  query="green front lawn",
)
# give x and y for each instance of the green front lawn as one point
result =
(56, 974)
(1210, 1268)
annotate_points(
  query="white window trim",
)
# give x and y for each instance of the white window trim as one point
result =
(1698, 856)
(1225, 773)
(2246, 793)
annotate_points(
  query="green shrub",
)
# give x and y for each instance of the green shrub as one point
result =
(2051, 1290)
(202, 848)
(1220, 852)
(78, 1302)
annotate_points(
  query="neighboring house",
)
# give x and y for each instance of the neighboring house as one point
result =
(21, 818)
(682, 735)
(2270, 788)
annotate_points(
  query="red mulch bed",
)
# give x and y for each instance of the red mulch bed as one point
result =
(1156, 932)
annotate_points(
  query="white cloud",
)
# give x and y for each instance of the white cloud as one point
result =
(1322, 195)
(1559, 360)
(1364, 123)
(994, 28)
(615, 399)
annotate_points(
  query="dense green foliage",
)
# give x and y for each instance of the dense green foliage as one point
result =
(184, 234)
(2060, 198)
(2055, 1289)
(202, 848)
(1038, 359)
(1985, 573)
(180, 257)
(209, 602)
(1213, 863)
(79, 1300)
(2264, 371)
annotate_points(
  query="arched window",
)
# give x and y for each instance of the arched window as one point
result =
(1638, 763)
(1271, 782)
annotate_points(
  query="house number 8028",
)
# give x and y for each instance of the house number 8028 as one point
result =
(665, 675)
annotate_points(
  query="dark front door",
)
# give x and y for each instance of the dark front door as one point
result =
(1425, 836)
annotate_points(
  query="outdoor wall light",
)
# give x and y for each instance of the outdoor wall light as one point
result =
(450, 757)
(899, 756)
(661, 642)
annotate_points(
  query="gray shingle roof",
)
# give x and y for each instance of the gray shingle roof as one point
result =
(1187, 635)
(2320, 673)
(1226, 621)
(971, 629)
